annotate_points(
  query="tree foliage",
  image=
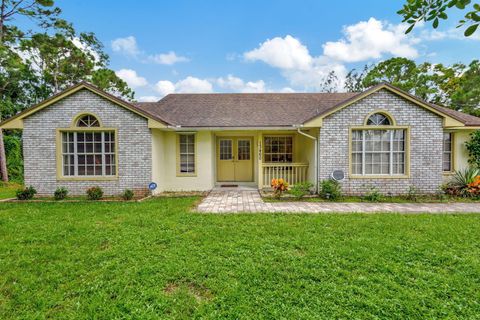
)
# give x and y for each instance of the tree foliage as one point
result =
(330, 83)
(456, 86)
(473, 147)
(35, 64)
(13, 149)
(415, 11)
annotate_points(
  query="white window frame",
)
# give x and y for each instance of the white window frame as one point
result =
(189, 152)
(391, 152)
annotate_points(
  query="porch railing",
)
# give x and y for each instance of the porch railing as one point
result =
(293, 173)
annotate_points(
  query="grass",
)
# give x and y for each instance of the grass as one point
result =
(157, 259)
(9, 189)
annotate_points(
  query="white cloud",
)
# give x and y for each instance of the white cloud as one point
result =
(452, 33)
(127, 46)
(164, 87)
(193, 85)
(188, 85)
(238, 85)
(316, 75)
(131, 78)
(362, 41)
(149, 99)
(370, 40)
(283, 53)
(295, 62)
(287, 90)
(168, 58)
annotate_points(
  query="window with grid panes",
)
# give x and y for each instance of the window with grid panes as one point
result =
(378, 151)
(88, 153)
(278, 149)
(187, 153)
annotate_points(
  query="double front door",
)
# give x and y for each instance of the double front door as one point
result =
(234, 159)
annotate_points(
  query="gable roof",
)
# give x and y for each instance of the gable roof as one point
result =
(245, 109)
(15, 122)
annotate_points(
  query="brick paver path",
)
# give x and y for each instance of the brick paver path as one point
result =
(233, 201)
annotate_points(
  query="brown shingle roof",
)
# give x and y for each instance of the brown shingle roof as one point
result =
(264, 109)
(467, 119)
(242, 109)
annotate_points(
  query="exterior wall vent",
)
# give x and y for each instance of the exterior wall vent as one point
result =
(337, 175)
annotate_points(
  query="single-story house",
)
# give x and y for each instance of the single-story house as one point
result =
(382, 137)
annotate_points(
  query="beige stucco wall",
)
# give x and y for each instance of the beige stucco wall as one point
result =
(460, 150)
(164, 157)
(306, 151)
(164, 163)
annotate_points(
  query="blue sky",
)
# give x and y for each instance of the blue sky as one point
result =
(160, 47)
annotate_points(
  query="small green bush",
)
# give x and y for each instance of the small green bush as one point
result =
(94, 193)
(441, 193)
(300, 190)
(26, 194)
(412, 193)
(373, 195)
(330, 189)
(127, 194)
(60, 193)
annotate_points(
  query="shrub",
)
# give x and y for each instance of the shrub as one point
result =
(473, 188)
(26, 194)
(330, 189)
(94, 193)
(464, 177)
(279, 187)
(441, 193)
(473, 147)
(459, 186)
(127, 194)
(373, 195)
(300, 190)
(412, 193)
(60, 193)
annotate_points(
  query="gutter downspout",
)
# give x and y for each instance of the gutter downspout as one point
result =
(316, 154)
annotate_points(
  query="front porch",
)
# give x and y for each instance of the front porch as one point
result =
(245, 157)
(257, 157)
(292, 172)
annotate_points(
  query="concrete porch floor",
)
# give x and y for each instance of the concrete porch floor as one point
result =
(244, 199)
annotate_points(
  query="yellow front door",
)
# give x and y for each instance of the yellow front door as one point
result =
(234, 159)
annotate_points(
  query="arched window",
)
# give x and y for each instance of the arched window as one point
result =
(378, 119)
(88, 121)
(379, 148)
(88, 150)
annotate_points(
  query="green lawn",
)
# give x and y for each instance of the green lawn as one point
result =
(9, 190)
(156, 259)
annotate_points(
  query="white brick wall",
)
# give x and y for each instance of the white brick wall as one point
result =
(134, 145)
(426, 132)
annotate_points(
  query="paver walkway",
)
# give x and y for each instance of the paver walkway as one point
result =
(234, 201)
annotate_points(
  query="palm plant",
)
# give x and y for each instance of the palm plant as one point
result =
(463, 178)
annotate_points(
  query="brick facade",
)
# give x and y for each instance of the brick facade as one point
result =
(426, 135)
(134, 145)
